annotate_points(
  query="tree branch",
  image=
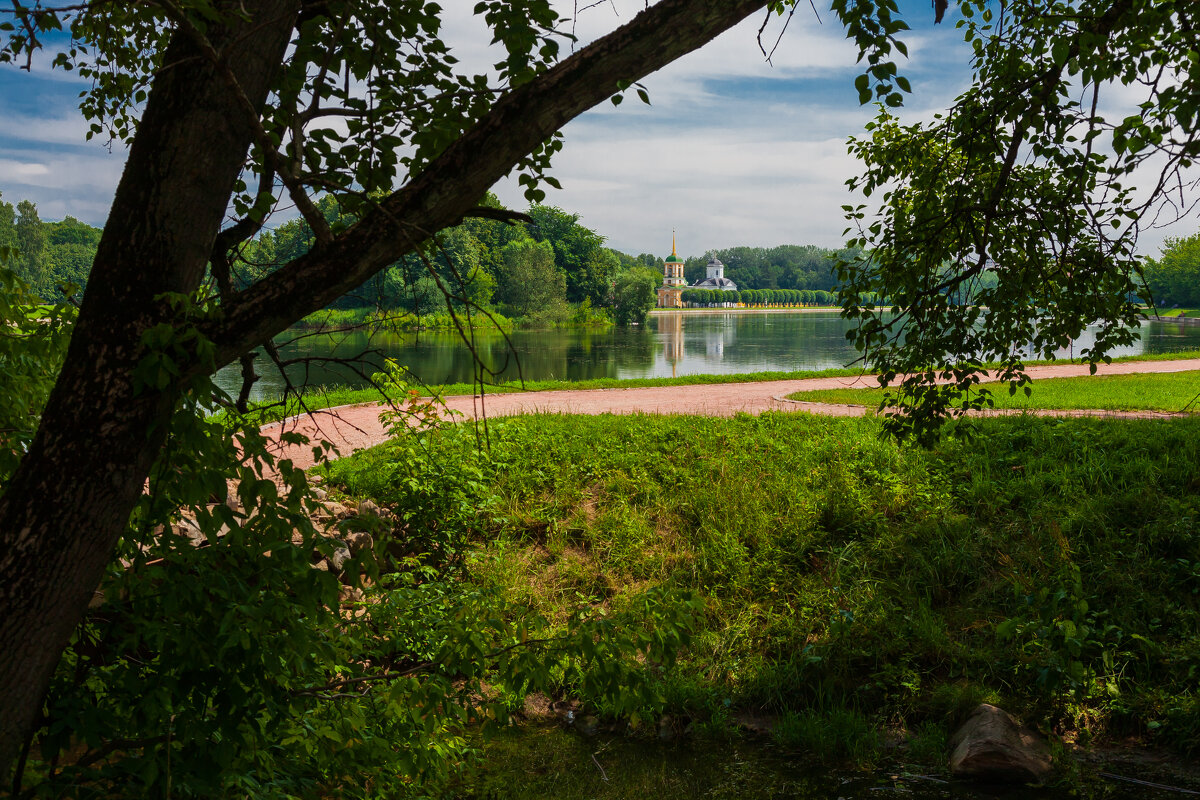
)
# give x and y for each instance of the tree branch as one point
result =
(451, 184)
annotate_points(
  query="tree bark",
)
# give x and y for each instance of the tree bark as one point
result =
(72, 495)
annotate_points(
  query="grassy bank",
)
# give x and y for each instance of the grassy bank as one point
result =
(401, 321)
(1167, 391)
(851, 585)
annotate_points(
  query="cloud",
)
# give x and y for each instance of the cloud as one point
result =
(64, 127)
(733, 150)
(21, 171)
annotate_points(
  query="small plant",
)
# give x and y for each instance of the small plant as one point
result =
(928, 744)
(1060, 640)
(839, 735)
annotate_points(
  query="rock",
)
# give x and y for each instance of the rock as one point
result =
(341, 554)
(368, 508)
(320, 494)
(991, 746)
(350, 594)
(666, 727)
(191, 529)
(359, 541)
(337, 510)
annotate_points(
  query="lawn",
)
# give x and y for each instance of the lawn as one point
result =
(1166, 391)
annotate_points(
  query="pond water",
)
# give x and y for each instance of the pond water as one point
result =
(548, 762)
(671, 343)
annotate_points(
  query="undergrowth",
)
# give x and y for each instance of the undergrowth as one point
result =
(1051, 566)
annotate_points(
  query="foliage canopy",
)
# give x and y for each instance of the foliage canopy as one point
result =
(1038, 178)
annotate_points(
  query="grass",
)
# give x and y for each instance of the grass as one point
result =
(1167, 391)
(1052, 566)
(1168, 313)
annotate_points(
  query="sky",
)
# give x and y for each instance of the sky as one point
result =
(731, 151)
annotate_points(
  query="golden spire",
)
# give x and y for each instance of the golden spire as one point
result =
(673, 243)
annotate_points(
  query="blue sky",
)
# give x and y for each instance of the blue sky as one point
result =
(731, 151)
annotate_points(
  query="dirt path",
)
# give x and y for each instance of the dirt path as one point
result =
(352, 428)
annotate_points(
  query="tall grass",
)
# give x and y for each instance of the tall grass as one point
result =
(1051, 565)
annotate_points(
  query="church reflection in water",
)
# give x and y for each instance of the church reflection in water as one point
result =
(715, 341)
(670, 328)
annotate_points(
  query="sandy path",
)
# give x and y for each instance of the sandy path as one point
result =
(352, 428)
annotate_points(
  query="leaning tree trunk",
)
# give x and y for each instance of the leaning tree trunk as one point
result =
(71, 497)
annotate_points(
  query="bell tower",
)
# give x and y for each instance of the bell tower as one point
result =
(673, 281)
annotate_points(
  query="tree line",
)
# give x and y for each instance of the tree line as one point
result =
(547, 268)
(1174, 277)
(760, 297)
(542, 267)
(50, 257)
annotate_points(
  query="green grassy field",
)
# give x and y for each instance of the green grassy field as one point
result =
(1167, 391)
(849, 584)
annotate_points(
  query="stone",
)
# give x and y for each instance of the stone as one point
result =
(350, 595)
(993, 747)
(359, 541)
(337, 510)
(368, 508)
(341, 554)
(191, 529)
(320, 494)
(666, 727)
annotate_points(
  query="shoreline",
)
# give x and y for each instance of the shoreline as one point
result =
(357, 426)
(670, 312)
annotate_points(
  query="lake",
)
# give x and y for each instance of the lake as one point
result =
(671, 343)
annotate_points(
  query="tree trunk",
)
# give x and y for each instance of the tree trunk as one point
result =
(72, 495)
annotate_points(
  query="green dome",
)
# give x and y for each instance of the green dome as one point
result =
(673, 259)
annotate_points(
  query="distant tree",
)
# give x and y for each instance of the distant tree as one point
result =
(31, 241)
(70, 250)
(8, 232)
(1174, 277)
(634, 295)
(579, 253)
(529, 282)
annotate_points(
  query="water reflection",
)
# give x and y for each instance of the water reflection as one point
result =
(670, 344)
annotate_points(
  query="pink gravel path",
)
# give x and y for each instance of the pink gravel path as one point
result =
(352, 428)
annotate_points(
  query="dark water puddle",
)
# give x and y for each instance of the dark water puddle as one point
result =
(552, 763)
